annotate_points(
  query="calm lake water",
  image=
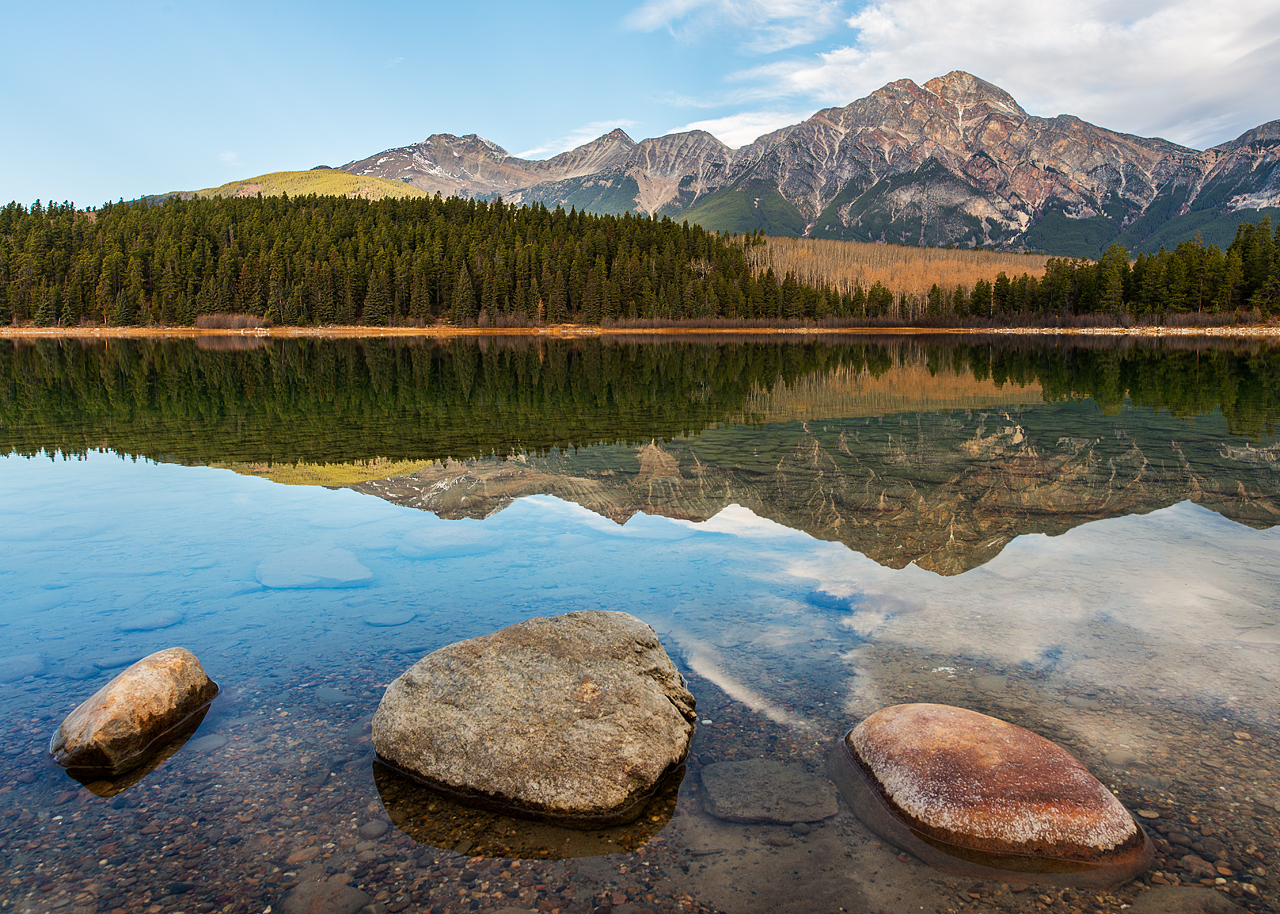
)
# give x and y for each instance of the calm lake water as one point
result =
(1076, 538)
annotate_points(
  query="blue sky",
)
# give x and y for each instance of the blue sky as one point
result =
(105, 101)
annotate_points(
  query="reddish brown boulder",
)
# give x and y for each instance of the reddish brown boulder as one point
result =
(974, 795)
(131, 717)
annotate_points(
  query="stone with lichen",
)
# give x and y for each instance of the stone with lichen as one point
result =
(972, 794)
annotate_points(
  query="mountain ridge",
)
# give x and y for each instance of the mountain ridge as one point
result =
(956, 160)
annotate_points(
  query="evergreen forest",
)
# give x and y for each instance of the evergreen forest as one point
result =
(325, 260)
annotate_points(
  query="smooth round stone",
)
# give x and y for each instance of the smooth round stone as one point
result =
(323, 898)
(313, 568)
(20, 666)
(305, 855)
(457, 543)
(115, 661)
(1122, 758)
(80, 672)
(390, 620)
(1169, 899)
(152, 623)
(373, 830)
(973, 795)
(332, 696)
(120, 726)
(211, 743)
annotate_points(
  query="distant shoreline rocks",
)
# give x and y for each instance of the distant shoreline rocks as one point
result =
(575, 720)
(973, 795)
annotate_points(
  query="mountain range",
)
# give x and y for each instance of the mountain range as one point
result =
(956, 161)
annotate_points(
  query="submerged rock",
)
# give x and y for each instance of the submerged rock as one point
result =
(1169, 899)
(323, 898)
(573, 719)
(129, 718)
(317, 567)
(974, 795)
(151, 623)
(20, 666)
(765, 790)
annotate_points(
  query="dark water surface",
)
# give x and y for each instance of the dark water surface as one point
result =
(1078, 539)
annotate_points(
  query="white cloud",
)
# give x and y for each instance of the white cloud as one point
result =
(742, 128)
(230, 158)
(574, 138)
(1193, 72)
(1142, 601)
(773, 25)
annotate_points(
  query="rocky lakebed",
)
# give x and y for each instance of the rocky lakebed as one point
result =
(753, 824)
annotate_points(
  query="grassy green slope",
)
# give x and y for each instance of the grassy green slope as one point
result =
(321, 181)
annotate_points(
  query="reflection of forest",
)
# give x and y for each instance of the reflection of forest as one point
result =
(357, 400)
(922, 450)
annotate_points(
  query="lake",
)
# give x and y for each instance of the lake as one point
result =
(1077, 536)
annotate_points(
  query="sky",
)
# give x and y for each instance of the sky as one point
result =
(109, 101)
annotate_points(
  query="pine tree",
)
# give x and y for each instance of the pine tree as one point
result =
(46, 312)
(186, 310)
(377, 303)
(463, 311)
(125, 312)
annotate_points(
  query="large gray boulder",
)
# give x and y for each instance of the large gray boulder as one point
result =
(126, 721)
(573, 719)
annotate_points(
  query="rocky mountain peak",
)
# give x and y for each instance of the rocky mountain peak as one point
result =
(1266, 133)
(698, 141)
(968, 92)
(601, 153)
(469, 143)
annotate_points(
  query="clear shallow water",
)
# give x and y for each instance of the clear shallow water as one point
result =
(1147, 643)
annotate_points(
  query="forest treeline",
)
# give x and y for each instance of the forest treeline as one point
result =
(1192, 284)
(1192, 279)
(337, 401)
(335, 260)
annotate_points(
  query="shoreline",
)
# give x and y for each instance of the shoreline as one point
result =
(584, 331)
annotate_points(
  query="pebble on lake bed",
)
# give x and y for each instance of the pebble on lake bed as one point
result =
(974, 795)
(121, 725)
